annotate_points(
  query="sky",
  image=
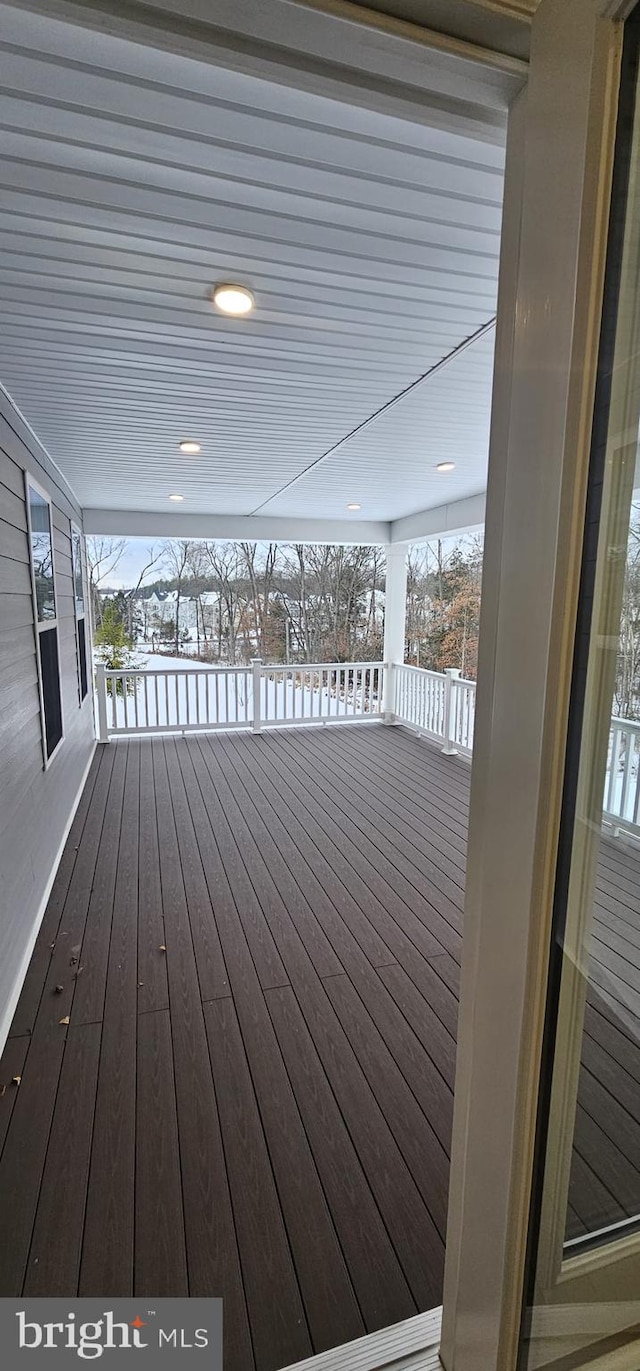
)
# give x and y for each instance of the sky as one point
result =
(136, 554)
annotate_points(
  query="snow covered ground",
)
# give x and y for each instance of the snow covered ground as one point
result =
(177, 694)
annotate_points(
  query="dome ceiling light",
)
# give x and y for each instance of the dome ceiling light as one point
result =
(232, 298)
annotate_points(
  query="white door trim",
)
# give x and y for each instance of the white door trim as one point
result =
(560, 152)
(408, 1346)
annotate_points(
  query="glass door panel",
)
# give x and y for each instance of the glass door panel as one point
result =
(584, 1259)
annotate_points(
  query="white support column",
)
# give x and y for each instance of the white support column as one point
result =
(395, 615)
(557, 190)
(101, 692)
(452, 674)
(256, 675)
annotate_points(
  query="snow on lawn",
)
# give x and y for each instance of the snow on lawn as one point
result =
(176, 694)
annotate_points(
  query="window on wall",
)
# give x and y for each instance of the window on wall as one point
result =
(45, 613)
(79, 599)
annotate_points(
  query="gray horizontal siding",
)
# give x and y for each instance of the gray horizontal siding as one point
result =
(34, 804)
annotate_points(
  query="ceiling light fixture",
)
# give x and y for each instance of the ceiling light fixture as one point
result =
(177, 498)
(445, 466)
(354, 506)
(232, 299)
(187, 445)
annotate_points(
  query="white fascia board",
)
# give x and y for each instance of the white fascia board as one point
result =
(400, 67)
(128, 523)
(312, 29)
(461, 516)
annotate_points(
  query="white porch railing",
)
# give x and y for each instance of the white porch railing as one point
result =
(622, 784)
(438, 704)
(441, 705)
(183, 699)
(326, 693)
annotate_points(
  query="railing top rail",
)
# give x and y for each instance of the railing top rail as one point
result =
(316, 666)
(420, 670)
(200, 667)
(626, 725)
(204, 667)
(434, 675)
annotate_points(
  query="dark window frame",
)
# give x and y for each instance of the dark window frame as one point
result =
(44, 625)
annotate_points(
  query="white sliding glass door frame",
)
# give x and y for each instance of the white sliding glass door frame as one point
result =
(555, 228)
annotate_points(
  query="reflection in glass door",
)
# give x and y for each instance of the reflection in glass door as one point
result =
(584, 1258)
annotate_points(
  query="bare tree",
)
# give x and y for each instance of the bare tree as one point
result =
(176, 558)
(260, 566)
(103, 556)
(155, 555)
(198, 567)
(227, 566)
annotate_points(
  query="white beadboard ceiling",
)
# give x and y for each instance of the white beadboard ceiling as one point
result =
(132, 178)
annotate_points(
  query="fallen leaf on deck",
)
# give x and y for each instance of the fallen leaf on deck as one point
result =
(65, 1020)
(16, 1080)
(162, 948)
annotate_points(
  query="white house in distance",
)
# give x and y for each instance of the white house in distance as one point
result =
(197, 615)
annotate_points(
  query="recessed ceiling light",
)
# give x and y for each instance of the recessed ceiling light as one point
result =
(445, 466)
(232, 299)
(187, 445)
(354, 506)
(177, 498)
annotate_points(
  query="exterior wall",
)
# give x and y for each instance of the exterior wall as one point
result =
(35, 805)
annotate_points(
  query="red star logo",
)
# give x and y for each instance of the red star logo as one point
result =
(137, 1322)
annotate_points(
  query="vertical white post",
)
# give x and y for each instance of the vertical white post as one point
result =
(451, 674)
(395, 615)
(554, 234)
(101, 691)
(256, 676)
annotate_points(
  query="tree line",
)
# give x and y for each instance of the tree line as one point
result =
(283, 602)
(297, 602)
(444, 586)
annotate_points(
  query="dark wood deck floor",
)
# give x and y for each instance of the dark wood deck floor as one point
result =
(256, 944)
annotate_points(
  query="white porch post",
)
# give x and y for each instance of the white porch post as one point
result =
(395, 615)
(256, 673)
(452, 674)
(101, 692)
(558, 168)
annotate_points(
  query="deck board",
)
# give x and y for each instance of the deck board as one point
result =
(254, 1094)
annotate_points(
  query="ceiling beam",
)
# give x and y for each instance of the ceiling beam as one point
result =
(398, 68)
(461, 516)
(127, 523)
